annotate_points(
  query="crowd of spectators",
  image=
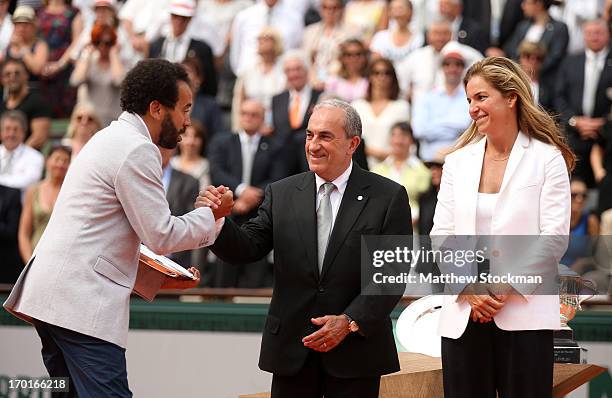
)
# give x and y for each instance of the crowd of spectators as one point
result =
(257, 68)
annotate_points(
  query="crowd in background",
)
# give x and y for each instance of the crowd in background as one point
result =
(257, 68)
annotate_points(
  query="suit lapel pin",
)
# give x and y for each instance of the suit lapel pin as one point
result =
(263, 146)
(359, 197)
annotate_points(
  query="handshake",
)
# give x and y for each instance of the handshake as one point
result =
(221, 200)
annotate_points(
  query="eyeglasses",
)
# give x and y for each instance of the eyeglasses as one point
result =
(84, 118)
(107, 43)
(581, 195)
(10, 73)
(381, 72)
(251, 114)
(353, 54)
(331, 8)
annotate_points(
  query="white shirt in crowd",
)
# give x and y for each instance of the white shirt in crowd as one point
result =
(21, 167)
(248, 149)
(593, 66)
(6, 31)
(250, 21)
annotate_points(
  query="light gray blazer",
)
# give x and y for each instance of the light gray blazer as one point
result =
(84, 267)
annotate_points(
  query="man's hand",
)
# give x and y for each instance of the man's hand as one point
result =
(334, 329)
(220, 200)
(249, 199)
(588, 127)
(174, 283)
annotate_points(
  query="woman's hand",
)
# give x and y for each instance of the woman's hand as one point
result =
(484, 306)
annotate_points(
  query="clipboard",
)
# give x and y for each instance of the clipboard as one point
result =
(153, 269)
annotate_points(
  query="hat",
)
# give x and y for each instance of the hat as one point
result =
(183, 8)
(106, 3)
(452, 50)
(24, 14)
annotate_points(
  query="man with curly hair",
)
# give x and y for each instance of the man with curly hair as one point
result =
(76, 288)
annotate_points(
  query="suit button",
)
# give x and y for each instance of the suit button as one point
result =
(321, 290)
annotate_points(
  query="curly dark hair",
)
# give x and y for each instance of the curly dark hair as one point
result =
(151, 80)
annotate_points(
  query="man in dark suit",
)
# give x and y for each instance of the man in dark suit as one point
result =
(324, 335)
(499, 23)
(582, 97)
(10, 210)
(465, 29)
(178, 45)
(181, 191)
(246, 163)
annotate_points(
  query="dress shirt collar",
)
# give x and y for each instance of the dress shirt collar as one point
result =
(16, 152)
(303, 93)
(596, 56)
(340, 182)
(244, 138)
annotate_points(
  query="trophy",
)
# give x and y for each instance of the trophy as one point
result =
(571, 285)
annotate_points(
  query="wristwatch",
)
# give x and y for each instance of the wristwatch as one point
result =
(572, 121)
(352, 326)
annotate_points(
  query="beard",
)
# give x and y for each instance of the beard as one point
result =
(169, 134)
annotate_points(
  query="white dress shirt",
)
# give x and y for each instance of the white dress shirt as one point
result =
(337, 193)
(593, 66)
(248, 149)
(250, 21)
(26, 166)
(175, 48)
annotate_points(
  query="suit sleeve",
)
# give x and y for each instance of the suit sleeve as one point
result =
(556, 49)
(370, 310)
(139, 189)
(249, 242)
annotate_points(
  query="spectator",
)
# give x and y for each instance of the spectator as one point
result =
(404, 167)
(99, 71)
(278, 14)
(584, 230)
(498, 18)
(60, 26)
(399, 40)
(424, 11)
(540, 27)
(6, 27)
(366, 17)
(442, 114)
(84, 123)
(25, 45)
(581, 95)
(10, 211)
(20, 165)
(105, 12)
(20, 97)
(418, 72)
(204, 108)
(574, 13)
(465, 30)
(142, 20)
(191, 158)
(291, 111)
(181, 192)
(246, 163)
(381, 109)
(262, 81)
(40, 199)
(178, 45)
(350, 83)
(322, 41)
(429, 199)
(531, 57)
(601, 161)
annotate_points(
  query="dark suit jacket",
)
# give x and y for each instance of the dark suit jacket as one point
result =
(182, 193)
(480, 11)
(280, 113)
(10, 211)
(203, 53)
(555, 38)
(286, 222)
(471, 33)
(568, 101)
(546, 96)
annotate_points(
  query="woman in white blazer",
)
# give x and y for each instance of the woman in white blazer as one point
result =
(508, 175)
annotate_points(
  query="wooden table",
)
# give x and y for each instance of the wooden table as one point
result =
(421, 377)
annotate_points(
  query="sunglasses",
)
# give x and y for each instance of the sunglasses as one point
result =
(581, 195)
(107, 43)
(11, 73)
(353, 54)
(84, 118)
(385, 72)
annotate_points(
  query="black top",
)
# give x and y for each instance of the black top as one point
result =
(33, 106)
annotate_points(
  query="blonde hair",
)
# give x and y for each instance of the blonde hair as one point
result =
(85, 107)
(508, 77)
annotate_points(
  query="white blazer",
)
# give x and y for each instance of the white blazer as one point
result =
(534, 199)
(84, 267)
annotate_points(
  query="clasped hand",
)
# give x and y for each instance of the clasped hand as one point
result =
(220, 200)
(487, 302)
(334, 328)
